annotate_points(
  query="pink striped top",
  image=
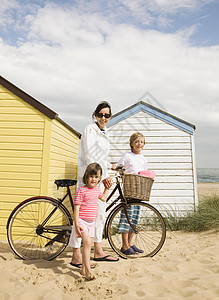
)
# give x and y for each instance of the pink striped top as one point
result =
(87, 199)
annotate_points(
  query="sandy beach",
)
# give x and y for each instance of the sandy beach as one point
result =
(187, 267)
(206, 189)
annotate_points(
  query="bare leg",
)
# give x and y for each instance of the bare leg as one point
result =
(125, 241)
(76, 257)
(130, 237)
(86, 268)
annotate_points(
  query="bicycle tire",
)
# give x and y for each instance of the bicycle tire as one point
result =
(24, 222)
(151, 230)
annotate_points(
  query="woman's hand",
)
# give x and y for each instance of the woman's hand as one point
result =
(108, 182)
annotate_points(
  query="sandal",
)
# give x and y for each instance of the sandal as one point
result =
(129, 251)
(80, 265)
(136, 249)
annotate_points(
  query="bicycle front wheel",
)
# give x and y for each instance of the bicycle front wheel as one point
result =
(149, 234)
(36, 229)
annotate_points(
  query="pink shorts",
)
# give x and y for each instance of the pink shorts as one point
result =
(87, 225)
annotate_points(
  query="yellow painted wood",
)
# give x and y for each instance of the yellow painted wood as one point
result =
(21, 146)
(64, 155)
(21, 161)
(23, 125)
(6, 94)
(18, 110)
(7, 101)
(21, 168)
(46, 157)
(68, 147)
(34, 151)
(63, 164)
(19, 183)
(68, 135)
(26, 192)
(20, 132)
(61, 153)
(20, 176)
(71, 142)
(21, 139)
(7, 200)
(20, 153)
(21, 118)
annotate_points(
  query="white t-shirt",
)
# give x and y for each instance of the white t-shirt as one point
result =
(133, 163)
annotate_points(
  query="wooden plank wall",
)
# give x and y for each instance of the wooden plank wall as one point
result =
(169, 153)
(21, 145)
(63, 157)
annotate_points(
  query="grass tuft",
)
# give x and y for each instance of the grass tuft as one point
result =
(204, 218)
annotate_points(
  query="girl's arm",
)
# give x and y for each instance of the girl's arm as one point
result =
(76, 219)
(105, 195)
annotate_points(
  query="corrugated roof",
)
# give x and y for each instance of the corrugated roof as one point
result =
(33, 102)
(153, 111)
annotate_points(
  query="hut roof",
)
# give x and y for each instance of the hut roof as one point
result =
(153, 111)
(33, 102)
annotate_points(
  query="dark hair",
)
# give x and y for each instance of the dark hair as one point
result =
(91, 169)
(100, 106)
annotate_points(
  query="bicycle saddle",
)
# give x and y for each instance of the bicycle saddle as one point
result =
(65, 182)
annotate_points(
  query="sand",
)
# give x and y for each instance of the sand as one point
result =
(206, 189)
(187, 267)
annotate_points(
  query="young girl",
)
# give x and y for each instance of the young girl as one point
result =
(85, 210)
(134, 163)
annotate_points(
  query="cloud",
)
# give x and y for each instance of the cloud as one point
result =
(71, 59)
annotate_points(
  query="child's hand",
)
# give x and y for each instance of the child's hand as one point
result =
(79, 230)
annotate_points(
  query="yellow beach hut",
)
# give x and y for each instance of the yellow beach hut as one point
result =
(36, 147)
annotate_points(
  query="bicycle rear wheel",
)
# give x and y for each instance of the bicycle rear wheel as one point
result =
(35, 228)
(149, 224)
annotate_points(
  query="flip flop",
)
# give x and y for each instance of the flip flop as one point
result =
(80, 265)
(105, 258)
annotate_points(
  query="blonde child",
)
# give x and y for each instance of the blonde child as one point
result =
(134, 163)
(85, 210)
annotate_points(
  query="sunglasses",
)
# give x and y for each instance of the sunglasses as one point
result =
(100, 115)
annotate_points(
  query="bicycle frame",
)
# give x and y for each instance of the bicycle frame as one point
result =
(52, 229)
(123, 203)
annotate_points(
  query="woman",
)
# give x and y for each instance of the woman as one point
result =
(95, 148)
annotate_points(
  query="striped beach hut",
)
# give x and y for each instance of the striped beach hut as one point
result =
(36, 148)
(169, 149)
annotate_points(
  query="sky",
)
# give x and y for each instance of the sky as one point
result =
(70, 55)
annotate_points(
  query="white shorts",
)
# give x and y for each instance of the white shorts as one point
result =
(75, 242)
(87, 225)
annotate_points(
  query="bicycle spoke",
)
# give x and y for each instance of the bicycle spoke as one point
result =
(150, 226)
(25, 226)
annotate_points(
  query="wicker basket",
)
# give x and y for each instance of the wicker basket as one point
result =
(137, 186)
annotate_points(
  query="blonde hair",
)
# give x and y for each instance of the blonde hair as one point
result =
(91, 169)
(133, 137)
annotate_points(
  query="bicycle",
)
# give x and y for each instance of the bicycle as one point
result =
(40, 227)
